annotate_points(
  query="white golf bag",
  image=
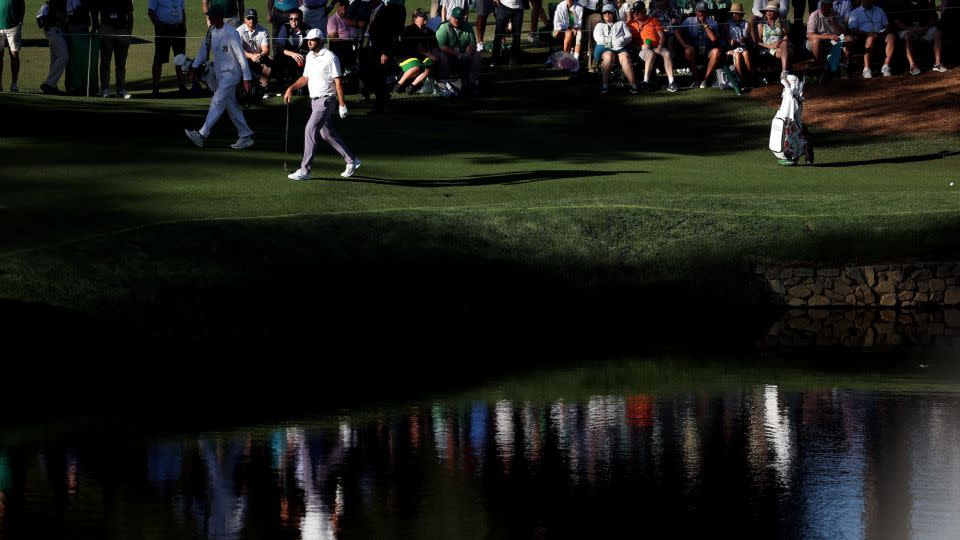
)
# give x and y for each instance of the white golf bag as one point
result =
(788, 136)
(205, 73)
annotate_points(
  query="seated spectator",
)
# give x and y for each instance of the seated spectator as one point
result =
(648, 37)
(458, 50)
(613, 37)
(773, 32)
(568, 25)
(670, 19)
(741, 44)
(291, 45)
(917, 20)
(341, 35)
(758, 7)
(418, 52)
(702, 44)
(823, 30)
(278, 11)
(256, 46)
(869, 26)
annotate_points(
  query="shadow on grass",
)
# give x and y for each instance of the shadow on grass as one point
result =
(519, 177)
(899, 159)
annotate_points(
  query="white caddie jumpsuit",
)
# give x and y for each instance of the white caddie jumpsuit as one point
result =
(231, 68)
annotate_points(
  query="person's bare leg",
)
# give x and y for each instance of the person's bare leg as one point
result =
(606, 65)
(784, 55)
(867, 52)
(627, 66)
(712, 58)
(691, 57)
(567, 41)
(891, 45)
(937, 51)
(420, 78)
(407, 75)
(908, 43)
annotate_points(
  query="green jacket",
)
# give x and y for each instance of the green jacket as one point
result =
(457, 39)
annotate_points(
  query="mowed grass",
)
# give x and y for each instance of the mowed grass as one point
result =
(537, 191)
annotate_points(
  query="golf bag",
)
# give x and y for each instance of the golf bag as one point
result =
(727, 79)
(788, 136)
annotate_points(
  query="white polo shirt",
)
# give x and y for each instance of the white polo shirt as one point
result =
(253, 40)
(320, 70)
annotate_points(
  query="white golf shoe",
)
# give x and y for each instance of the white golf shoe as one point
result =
(299, 175)
(242, 142)
(351, 168)
(885, 70)
(195, 137)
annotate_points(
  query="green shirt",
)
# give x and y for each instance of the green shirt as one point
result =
(457, 39)
(230, 7)
(8, 16)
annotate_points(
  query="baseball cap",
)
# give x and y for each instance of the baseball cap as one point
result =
(216, 10)
(250, 14)
(609, 8)
(701, 6)
(420, 12)
(314, 33)
(457, 13)
(639, 6)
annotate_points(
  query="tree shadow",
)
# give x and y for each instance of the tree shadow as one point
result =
(898, 159)
(519, 177)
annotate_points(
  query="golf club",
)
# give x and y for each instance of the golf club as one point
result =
(286, 138)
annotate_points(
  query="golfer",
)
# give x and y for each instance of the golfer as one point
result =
(321, 76)
(230, 65)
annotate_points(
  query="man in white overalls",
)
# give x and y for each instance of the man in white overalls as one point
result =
(230, 64)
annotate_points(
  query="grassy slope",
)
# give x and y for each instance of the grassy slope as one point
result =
(556, 186)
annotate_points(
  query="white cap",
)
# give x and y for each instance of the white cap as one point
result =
(314, 33)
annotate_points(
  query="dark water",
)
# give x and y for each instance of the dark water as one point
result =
(637, 448)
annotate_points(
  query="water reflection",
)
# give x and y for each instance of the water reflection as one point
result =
(816, 463)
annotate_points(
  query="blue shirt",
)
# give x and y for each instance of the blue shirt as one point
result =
(842, 8)
(168, 11)
(696, 35)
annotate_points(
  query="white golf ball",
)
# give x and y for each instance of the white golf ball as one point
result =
(951, 184)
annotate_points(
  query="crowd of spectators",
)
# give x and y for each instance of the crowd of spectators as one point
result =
(633, 40)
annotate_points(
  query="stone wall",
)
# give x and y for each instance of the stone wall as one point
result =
(888, 285)
(866, 328)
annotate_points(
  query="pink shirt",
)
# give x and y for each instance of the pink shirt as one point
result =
(338, 25)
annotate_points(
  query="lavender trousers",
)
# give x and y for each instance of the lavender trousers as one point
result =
(320, 123)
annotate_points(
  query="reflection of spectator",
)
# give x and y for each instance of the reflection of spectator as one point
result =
(116, 25)
(418, 52)
(11, 25)
(917, 20)
(256, 46)
(568, 25)
(870, 27)
(741, 44)
(170, 33)
(52, 18)
(292, 42)
(648, 38)
(458, 50)
(774, 33)
(612, 37)
(508, 12)
(701, 44)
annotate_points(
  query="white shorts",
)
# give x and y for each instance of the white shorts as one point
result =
(10, 37)
(928, 36)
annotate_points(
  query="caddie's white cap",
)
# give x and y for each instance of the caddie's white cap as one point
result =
(314, 33)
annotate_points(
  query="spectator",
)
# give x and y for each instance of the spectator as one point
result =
(917, 20)
(278, 13)
(508, 12)
(116, 26)
(418, 46)
(386, 24)
(358, 14)
(648, 38)
(170, 32)
(719, 10)
(52, 18)
(686, 7)
(774, 35)
(869, 26)
(256, 45)
(321, 76)
(80, 17)
(341, 35)
(231, 11)
(568, 24)
(669, 18)
(591, 18)
(447, 7)
(536, 13)
(11, 26)
(223, 43)
(613, 37)
(701, 44)
(741, 44)
(484, 8)
(758, 7)
(458, 50)
(823, 29)
(842, 8)
(315, 14)
(292, 44)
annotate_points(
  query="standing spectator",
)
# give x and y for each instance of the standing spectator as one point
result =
(52, 18)
(321, 76)
(386, 24)
(869, 26)
(613, 37)
(774, 36)
(591, 18)
(796, 23)
(81, 17)
(537, 13)
(223, 43)
(458, 50)
(315, 14)
(842, 8)
(341, 36)
(917, 20)
(648, 38)
(741, 44)
(116, 26)
(279, 11)
(701, 43)
(231, 11)
(11, 25)
(418, 46)
(823, 29)
(508, 12)
(358, 14)
(447, 6)
(170, 32)
(292, 44)
(484, 8)
(256, 45)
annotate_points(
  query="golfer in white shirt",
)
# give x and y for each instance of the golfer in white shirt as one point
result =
(321, 76)
(230, 64)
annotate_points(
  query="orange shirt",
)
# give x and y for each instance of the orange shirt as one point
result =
(647, 30)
